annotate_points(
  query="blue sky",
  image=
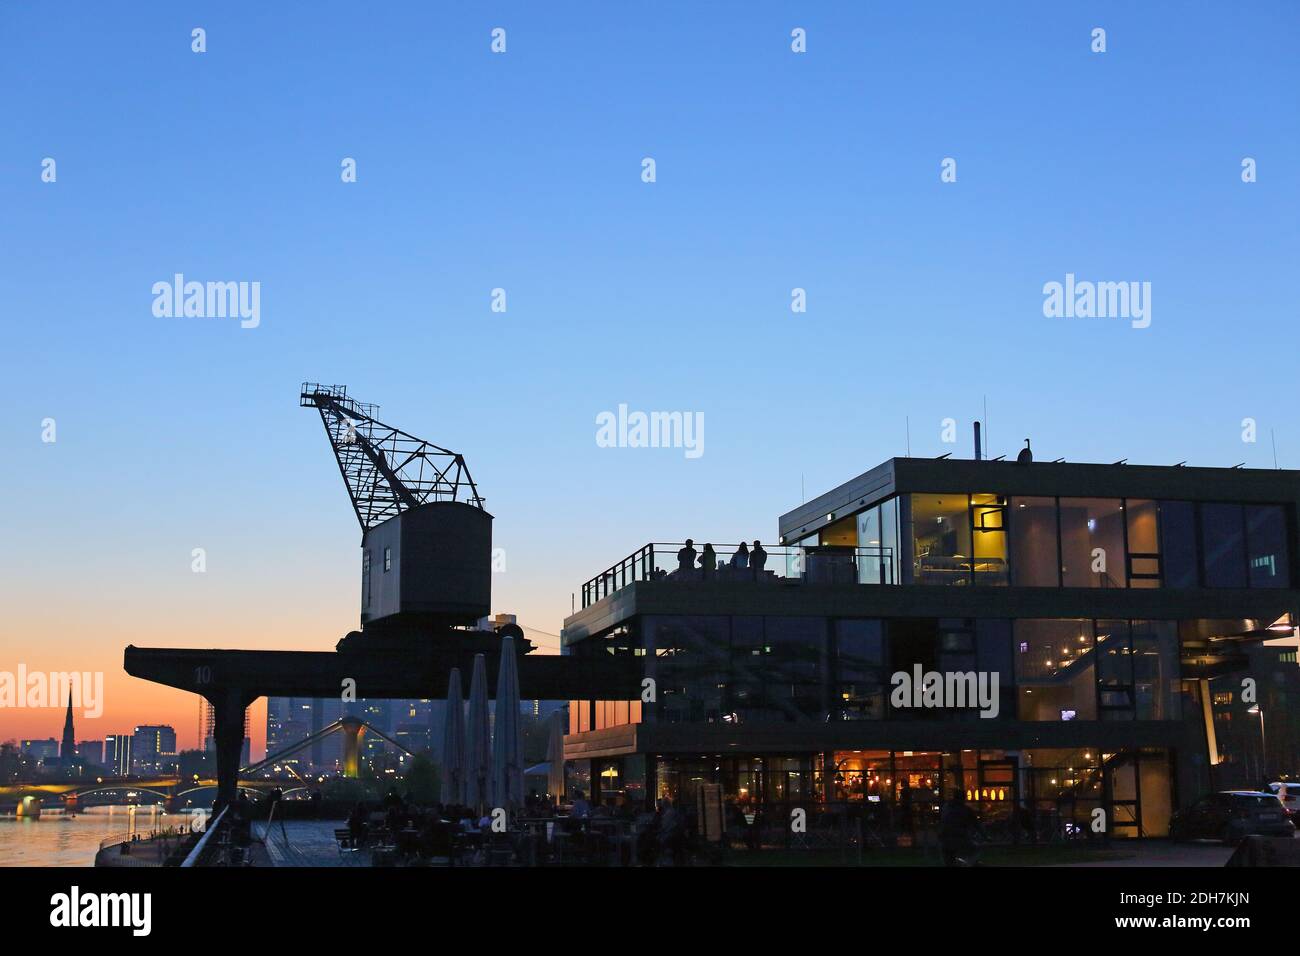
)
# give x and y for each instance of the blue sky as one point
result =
(522, 171)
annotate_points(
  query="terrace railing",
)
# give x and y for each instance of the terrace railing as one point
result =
(664, 561)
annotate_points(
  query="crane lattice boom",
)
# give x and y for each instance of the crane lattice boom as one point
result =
(387, 471)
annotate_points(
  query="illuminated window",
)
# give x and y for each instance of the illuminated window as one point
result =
(1034, 558)
(988, 514)
(1092, 543)
(941, 547)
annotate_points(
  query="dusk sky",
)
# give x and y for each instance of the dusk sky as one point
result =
(522, 171)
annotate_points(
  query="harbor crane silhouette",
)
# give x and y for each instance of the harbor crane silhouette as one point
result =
(426, 579)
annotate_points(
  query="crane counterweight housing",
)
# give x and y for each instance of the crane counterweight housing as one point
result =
(426, 538)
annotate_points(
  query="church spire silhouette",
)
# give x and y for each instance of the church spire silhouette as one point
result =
(69, 735)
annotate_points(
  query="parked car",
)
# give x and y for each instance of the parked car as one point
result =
(1289, 794)
(1230, 816)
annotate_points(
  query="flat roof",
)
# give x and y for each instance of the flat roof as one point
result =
(1068, 479)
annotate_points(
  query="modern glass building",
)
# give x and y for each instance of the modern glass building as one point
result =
(1102, 599)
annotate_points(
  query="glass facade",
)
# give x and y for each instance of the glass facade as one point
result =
(1223, 555)
(1055, 670)
(941, 539)
(987, 539)
(1092, 542)
(1266, 546)
(1035, 554)
(745, 781)
(1142, 517)
(1178, 548)
(764, 670)
(873, 534)
(1037, 795)
(746, 669)
(861, 682)
(1157, 683)
(1097, 670)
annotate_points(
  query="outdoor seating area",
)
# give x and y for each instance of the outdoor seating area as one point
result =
(745, 562)
(399, 833)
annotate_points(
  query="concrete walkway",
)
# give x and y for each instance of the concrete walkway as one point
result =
(1166, 853)
(309, 843)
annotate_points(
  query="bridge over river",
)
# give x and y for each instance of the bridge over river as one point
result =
(173, 793)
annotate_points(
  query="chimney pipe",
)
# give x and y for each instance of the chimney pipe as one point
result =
(978, 453)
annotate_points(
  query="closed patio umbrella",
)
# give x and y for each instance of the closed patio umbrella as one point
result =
(507, 747)
(555, 758)
(453, 743)
(478, 744)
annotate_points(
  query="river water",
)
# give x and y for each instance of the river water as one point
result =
(58, 840)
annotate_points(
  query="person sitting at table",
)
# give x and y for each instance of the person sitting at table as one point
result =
(672, 832)
(581, 808)
(357, 824)
(758, 558)
(737, 825)
(647, 834)
(435, 838)
(686, 559)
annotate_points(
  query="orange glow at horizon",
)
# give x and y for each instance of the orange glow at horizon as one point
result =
(58, 637)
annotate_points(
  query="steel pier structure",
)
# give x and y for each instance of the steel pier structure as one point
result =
(425, 579)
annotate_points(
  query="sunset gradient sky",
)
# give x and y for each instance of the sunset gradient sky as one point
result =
(522, 171)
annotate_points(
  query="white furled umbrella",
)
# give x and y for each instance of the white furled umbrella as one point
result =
(507, 746)
(478, 743)
(453, 743)
(555, 757)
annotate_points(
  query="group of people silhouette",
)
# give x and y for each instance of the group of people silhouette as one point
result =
(744, 559)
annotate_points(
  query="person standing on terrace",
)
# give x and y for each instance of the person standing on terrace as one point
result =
(741, 559)
(686, 557)
(758, 558)
(708, 561)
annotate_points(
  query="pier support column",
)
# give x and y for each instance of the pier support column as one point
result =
(228, 707)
